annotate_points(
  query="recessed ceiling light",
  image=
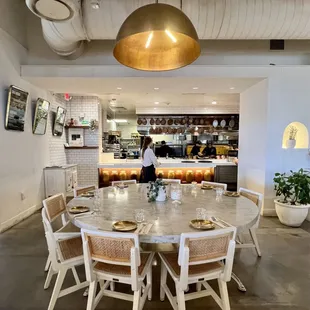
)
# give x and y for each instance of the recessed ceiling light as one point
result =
(214, 102)
(232, 88)
(156, 88)
(119, 88)
(156, 102)
(195, 88)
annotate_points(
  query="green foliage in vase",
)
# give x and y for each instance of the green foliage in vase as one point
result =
(154, 189)
(294, 188)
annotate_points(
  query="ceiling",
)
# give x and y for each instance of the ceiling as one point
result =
(173, 94)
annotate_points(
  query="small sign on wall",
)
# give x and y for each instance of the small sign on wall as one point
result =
(76, 137)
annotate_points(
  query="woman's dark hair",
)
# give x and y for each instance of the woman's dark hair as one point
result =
(147, 141)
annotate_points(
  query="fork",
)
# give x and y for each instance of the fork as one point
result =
(216, 219)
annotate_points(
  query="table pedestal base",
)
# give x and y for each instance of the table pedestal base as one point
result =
(241, 286)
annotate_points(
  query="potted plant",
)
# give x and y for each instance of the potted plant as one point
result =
(157, 191)
(291, 142)
(292, 208)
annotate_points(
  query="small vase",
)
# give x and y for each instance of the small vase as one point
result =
(290, 144)
(161, 194)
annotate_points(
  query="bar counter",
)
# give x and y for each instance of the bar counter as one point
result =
(185, 170)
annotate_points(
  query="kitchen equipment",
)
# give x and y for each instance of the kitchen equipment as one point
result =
(174, 131)
(157, 122)
(207, 122)
(144, 121)
(163, 121)
(183, 121)
(201, 121)
(196, 121)
(170, 121)
(176, 121)
(190, 121)
(139, 121)
(231, 123)
(159, 131)
(152, 121)
(165, 129)
(215, 123)
(170, 130)
(223, 123)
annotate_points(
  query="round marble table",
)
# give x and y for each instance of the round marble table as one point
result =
(169, 219)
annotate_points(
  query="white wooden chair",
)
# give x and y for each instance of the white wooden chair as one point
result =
(257, 198)
(66, 252)
(127, 182)
(83, 190)
(171, 181)
(113, 256)
(199, 260)
(55, 208)
(214, 184)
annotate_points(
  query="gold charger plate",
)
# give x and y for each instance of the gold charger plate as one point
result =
(232, 194)
(124, 226)
(78, 209)
(202, 224)
(89, 194)
(207, 187)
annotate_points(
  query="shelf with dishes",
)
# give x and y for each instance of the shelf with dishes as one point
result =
(221, 121)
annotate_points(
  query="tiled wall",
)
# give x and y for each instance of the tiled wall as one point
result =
(86, 159)
(87, 165)
(56, 144)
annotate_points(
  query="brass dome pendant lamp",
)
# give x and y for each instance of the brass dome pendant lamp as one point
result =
(157, 37)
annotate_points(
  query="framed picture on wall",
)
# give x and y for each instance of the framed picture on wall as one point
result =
(59, 121)
(40, 117)
(16, 109)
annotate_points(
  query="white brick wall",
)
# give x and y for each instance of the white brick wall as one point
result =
(86, 159)
(56, 144)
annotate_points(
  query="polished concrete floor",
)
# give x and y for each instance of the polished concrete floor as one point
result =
(280, 280)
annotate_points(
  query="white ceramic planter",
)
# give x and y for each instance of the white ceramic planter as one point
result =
(290, 144)
(162, 195)
(291, 215)
(308, 217)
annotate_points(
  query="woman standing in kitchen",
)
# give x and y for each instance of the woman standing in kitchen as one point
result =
(149, 162)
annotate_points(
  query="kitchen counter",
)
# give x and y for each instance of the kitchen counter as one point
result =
(166, 163)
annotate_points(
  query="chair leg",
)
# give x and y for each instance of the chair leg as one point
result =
(180, 299)
(59, 281)
(49, 278)
(255, 241)
(136, 300)
(198, 287)
(224, 294)
(91, 295)
(149, 282)
(112, 286)
(163, 281)
(48, 263)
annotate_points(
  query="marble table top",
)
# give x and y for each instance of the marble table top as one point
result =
(169, 219)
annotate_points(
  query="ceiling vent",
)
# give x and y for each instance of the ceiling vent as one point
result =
(53, 10)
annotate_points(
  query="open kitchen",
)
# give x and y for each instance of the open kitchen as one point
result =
(182, 144)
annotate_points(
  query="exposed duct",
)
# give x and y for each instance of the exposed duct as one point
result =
(78, 21)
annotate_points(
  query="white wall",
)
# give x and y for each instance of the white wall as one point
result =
(265, 111)
(253, 137)
(13, 20)
(288, 102)
(23, 155)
